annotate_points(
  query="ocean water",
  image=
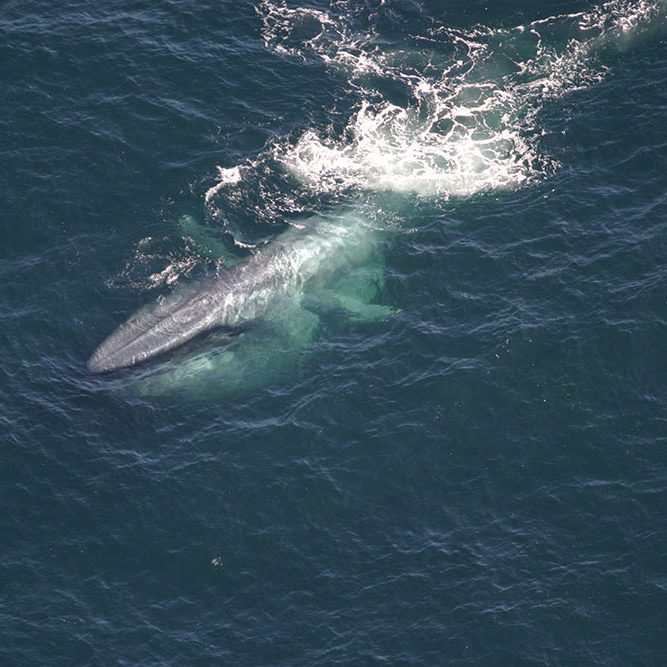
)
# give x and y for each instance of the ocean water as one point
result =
(476, 477)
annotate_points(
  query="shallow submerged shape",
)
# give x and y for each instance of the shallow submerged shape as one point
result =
(299, 269)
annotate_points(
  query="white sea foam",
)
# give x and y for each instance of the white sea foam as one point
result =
(228, 176)
(470, 120)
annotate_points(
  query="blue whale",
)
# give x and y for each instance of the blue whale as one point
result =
(328, 261)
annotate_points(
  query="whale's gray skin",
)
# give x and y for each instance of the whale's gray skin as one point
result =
(302, 262)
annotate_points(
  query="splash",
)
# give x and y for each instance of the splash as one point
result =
(469, 121)
(225, 177)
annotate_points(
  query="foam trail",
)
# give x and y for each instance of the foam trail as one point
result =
(470, 124)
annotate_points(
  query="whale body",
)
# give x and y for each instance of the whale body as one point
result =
(299, 266)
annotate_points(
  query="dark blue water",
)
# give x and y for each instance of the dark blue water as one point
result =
(479, 478)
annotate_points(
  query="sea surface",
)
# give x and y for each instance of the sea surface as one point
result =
(479, 476)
